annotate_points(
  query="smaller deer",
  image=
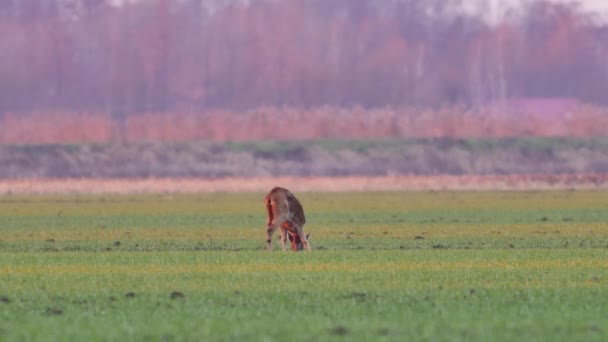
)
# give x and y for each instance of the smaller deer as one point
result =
(285, 213)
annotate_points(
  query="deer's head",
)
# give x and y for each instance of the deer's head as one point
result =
(296, 242)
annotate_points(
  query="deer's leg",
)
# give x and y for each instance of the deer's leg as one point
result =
(283, 237)
(269, 231)
(288, 228)
(302, 236)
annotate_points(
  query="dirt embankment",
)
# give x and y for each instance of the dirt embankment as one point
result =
(386, 183)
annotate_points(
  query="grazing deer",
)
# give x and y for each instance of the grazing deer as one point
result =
(286, 213)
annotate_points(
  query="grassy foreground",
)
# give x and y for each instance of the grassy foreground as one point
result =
(386, 266)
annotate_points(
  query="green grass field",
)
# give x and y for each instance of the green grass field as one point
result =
(385, 266)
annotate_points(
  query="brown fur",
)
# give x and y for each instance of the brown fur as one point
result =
(294, 238)
(285, 213)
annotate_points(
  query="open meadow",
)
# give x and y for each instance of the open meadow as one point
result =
(425, 265)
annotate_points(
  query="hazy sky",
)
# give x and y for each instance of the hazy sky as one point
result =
(495, 8)
(496, 5)
(593, 5)
(600, 5)
(590, 4)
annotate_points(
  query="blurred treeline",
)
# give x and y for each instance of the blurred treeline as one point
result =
(96, 58)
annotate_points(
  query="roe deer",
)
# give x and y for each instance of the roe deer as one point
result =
(285, 213)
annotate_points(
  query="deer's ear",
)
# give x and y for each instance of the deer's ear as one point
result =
(307, 235)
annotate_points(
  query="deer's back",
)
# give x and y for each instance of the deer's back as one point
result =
(280, 200)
